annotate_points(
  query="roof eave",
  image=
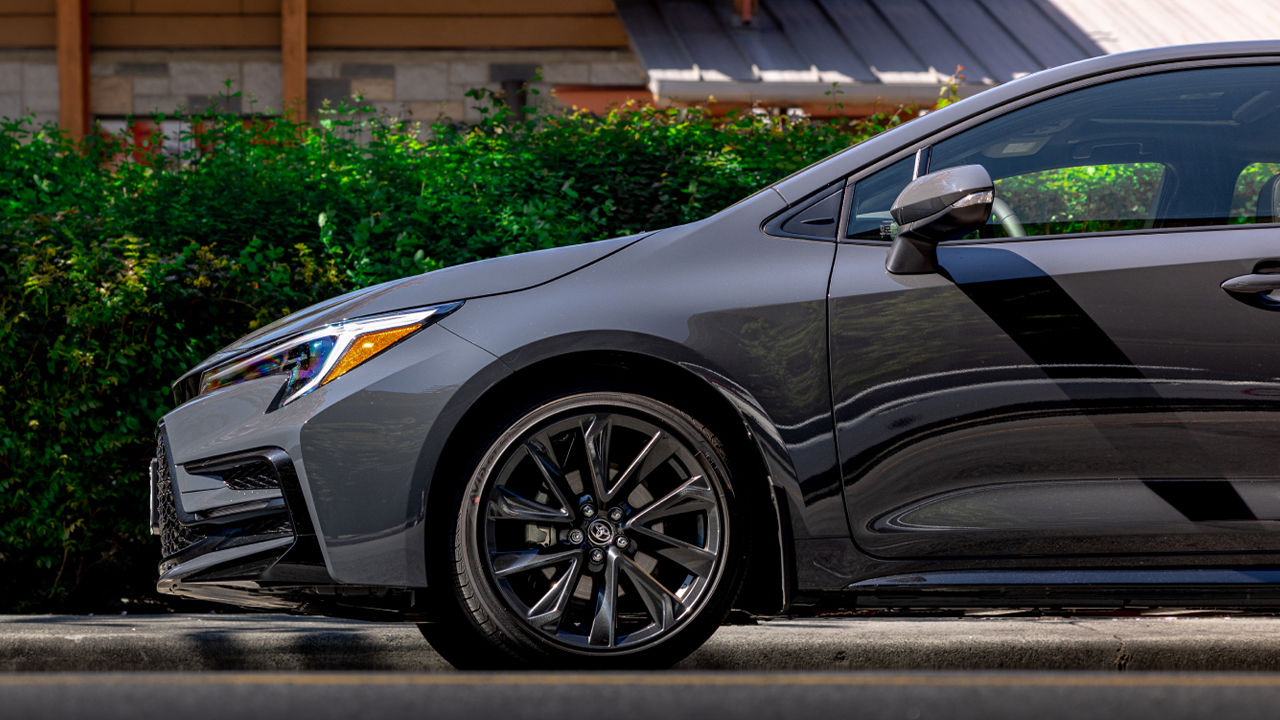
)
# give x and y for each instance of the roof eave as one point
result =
(795, 93)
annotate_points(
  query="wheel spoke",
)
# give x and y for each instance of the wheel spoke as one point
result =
(507, 505)
(596, 432)
(604, 623)
(696, 560)
(693, 495)
(642, 465)
(663, 606)
(548, 611)
(540, 452)
(509, 563)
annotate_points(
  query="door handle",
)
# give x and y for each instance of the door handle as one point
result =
(1255, 289)
(1252, 283)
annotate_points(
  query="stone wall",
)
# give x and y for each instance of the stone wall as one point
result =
(419, 85)
(29, 84)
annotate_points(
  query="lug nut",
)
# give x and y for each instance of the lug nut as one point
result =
(575, 536)
(622, 542)
(588, 511)
(615, 514)
(597, 555)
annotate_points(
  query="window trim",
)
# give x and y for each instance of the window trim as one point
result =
(1110, 233)
(925, 145)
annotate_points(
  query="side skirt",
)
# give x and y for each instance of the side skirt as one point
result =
(1069, 589)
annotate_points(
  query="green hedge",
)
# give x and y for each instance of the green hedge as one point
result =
(116, 276)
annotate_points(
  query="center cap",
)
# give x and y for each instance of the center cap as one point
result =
(600, 532)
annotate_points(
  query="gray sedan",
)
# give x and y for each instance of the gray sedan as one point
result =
(1019, 351)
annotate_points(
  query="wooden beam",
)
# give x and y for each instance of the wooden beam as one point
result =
(407, 31)
(73, 66)
(186, 31)
(453, 7)
(260, 7)
(28, 31)
(27, 7)
(110, 7)
(293, 49)
(186, 7)
(352, 31)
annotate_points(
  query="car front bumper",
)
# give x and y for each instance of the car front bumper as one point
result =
(320, 505)
(250, 548)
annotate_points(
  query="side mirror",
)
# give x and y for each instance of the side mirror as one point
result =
(942, 205)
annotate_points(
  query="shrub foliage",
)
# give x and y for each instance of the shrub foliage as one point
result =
(122, 266)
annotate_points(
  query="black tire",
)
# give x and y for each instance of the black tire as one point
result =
(544, 578)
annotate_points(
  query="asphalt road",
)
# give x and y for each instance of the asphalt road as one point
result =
(903, 667)
(669, 695)
(1164, 642)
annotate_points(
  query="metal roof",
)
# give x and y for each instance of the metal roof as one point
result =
(901, 50)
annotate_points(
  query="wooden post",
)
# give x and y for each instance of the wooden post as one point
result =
(293, 46)
(73, 66)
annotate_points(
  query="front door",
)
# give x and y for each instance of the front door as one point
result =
(1076, 381)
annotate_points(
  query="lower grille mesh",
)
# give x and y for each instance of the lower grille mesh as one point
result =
(254, 475)
(174, 536)
(250, 471)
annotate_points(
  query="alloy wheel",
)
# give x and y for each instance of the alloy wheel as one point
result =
(603, 528)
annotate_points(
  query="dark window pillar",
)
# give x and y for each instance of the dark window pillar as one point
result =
(514, 80)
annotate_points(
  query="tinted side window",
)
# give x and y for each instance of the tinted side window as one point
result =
(1088, 198)
(869, 217)
(1156, 151)
(1249, 185)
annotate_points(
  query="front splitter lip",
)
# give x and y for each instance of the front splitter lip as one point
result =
(227, 557)
(241, 593)
(261, 576)
(224, 583)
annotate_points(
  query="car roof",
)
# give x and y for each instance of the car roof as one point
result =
(917, 132)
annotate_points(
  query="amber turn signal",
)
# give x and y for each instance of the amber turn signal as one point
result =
(365, 347)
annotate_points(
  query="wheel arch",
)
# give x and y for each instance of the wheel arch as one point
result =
(770, 583)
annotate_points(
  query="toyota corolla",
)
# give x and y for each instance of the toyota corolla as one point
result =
(1024, 350)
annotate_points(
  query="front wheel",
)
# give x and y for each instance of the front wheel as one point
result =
(600, 529)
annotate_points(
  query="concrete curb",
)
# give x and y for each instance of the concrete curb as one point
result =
(277, 642)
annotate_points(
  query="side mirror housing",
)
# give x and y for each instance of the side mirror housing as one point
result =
(942, 205)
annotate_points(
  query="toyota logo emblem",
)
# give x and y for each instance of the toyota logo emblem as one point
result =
(600, 532)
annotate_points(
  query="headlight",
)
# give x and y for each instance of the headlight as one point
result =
(320, 356)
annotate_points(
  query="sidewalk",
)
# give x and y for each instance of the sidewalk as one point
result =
(280, 642)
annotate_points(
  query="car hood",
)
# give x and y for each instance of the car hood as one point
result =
(496, 276)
